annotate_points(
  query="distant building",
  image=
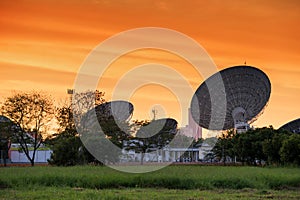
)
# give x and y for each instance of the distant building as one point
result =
(17, 156)
(165, 154)
(171, 154)
(192, 129)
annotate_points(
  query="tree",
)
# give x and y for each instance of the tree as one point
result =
(65, 144)
(105, 143)
(5, 136)
(258, 145)
(78, 132)
(272, 146)
(83, 102)
(290, 150)
(153, 135)
(67, 148)
(183, 141)
(224, 148)
(30, 113)
(65, 119)
(104, 128)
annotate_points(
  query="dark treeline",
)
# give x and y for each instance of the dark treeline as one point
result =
(259, 146)
(67, 144)
(26, 116)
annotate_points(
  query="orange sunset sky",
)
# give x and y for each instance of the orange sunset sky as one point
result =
(44, 43)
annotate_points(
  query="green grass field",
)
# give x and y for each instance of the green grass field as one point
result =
(173, 182)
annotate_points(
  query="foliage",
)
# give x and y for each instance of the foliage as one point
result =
(65, 118)
(66, 145)
(116, 131)
(272, 146)
(6, 132)
(223, 149)
(275, 147)
(30, 113)
(249, 145)
(68, 149)
(65, 150)
(290, 150)
(73, 143)
(152, 135)
(183, 141)
(82, 102)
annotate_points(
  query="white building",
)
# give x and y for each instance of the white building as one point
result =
(163, 155)
(17, 156)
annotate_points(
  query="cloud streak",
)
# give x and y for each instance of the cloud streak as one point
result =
(43, 43)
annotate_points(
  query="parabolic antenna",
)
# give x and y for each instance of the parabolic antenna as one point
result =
(160, 126)
(119, 110)
(292, 126)
(247, 91)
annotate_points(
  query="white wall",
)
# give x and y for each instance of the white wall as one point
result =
(41, 156)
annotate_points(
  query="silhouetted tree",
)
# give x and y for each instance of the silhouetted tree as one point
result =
(65, 118)
(224, 148)
(31, 113)
(272, 146)
(258, 145)
(66, 145)
(183, 141)
(290, 150)
(79, 129)
(82, 102)
(152, 135)
(103, 131)
(6, 132)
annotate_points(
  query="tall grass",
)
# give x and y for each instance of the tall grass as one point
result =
(172, 177)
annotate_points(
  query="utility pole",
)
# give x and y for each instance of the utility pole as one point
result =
(70, 92)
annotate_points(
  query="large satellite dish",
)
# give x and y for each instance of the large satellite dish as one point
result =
(292, 126)
(247, 91)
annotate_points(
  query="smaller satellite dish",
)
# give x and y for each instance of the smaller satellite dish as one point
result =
(292, 126)
(115, 111)
(119, 110)
(161, 126)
